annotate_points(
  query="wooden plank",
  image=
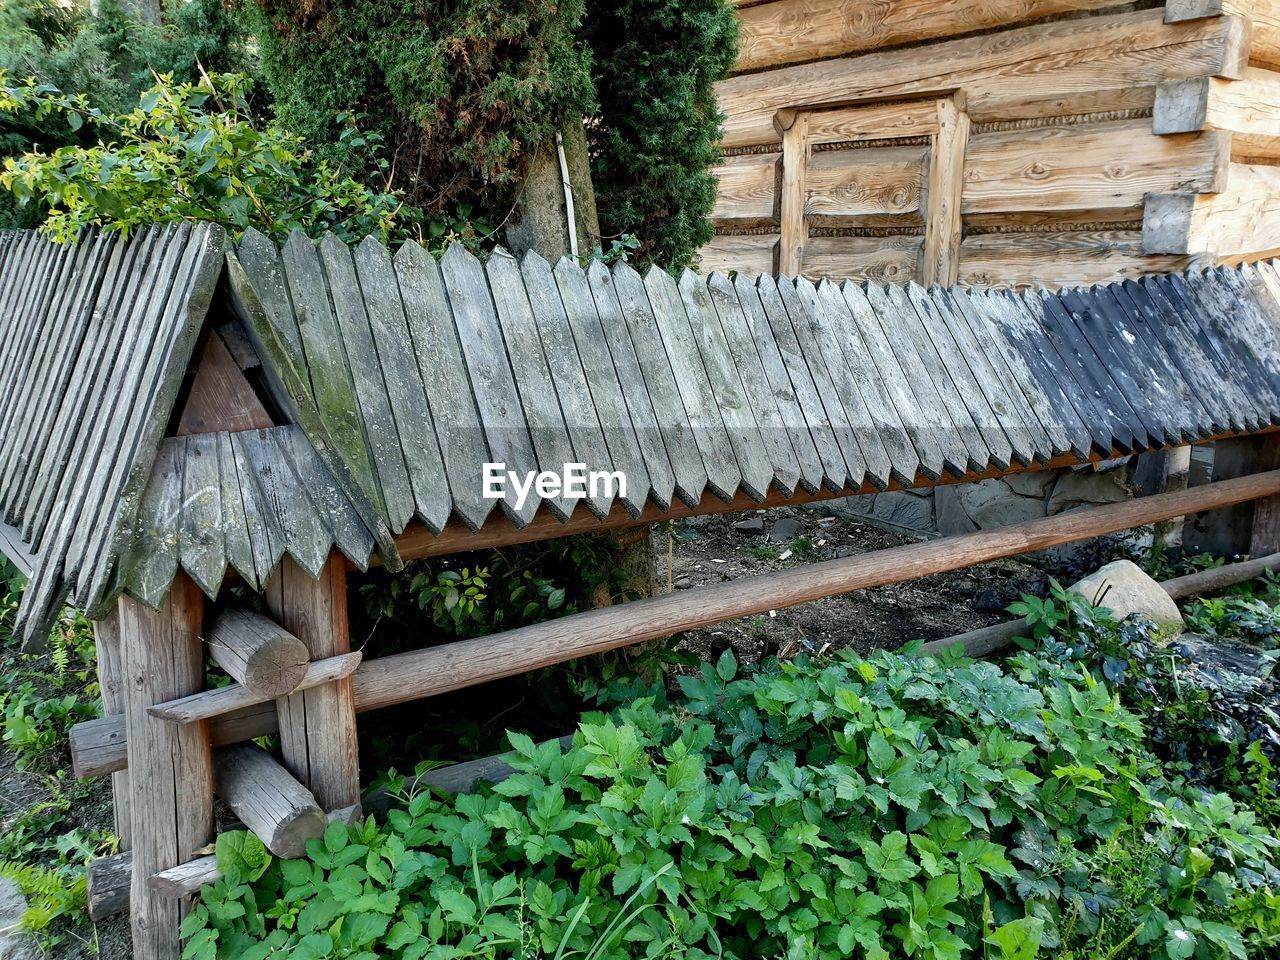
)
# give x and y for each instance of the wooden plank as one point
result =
(773, 325)
(406, 395)
(111, 681)
(1015, 334)
(235, 525)
(51, 265)
(1054, 259)
(552, 447)
(155, 558)
(747, 329)
(746, 188)
(218, 701)
(1185, 415)
(279, 491)
(843, 185)
(1079, 372)
(588, 380)
(637, 313)
(631, 381)
(877, 121)
(793, 232)
(864, 453)
(1092, 166)
(844, 343)
(266, 539)
(727, 393)
(171, 775)
(956, 367)
(220, 397)
(1263, 17)
(370, 389)
(1248, 109)
(331, 375)
(156, 393)
(705, 422)
(776, 431)
(1118, 391)
(463, 445)
(290, 385)
(1218, 406)
(318, 726)
(754, 254)
(1252, 324)
(1184, 315)
(489, 370)
(258, 255)
(907, 324)
(791, 31)
(921, 423)
(66, 439)
(330, 501)
(1022, 430)
(894, 259)
(943, 225)
(1241, 218)
(200, 540)
(1096, 61)
(43, 395)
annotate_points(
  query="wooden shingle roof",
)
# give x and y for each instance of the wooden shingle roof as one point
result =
(401, 376)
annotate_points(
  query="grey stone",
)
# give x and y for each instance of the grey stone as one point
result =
(1124, 588)
(1034, 483)
(785, 530)
(1223, 664)
(1085, 488)
(966, 507)
(750, 525)
(951, 517)
(682, 583)
(14, 944)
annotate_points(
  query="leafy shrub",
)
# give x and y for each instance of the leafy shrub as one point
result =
(867, 808)
(188, 151)
(458, 94)
(653, 140)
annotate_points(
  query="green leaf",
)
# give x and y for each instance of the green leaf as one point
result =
(1018, 939)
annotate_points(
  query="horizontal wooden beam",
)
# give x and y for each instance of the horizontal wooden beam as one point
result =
(223, 700)
(1248, 109)
(98, 746)
(1242, 219)
(1263, 17)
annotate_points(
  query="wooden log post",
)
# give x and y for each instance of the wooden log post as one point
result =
(318, 726)
(170, 766)
(260, 654)
(1251, 528)
(271, 803)
(106, 638)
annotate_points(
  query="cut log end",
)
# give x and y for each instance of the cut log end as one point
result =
(259, 653)
(266, 797)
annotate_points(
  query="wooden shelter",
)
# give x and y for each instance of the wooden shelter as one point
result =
(1031, 142)
(178, 409)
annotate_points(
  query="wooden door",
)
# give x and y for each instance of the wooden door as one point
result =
(873, 191)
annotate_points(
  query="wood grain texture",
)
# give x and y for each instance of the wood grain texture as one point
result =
(843, 185)
(281, 812)
(942, 217)
(257, 652)
(1242, 218)
(318, 726)
(1097, 63)
(747, 188)
(1058, 259)
(220, 397)
(793, 31)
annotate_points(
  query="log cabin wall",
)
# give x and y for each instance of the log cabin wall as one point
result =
(990, 143)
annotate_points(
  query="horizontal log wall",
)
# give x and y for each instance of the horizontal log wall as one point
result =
(1081, 110)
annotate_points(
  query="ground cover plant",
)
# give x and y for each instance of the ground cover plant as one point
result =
(888, 806)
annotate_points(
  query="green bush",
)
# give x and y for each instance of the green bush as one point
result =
(886, 807)
(188, 151)
(653, 140)
(457, 93)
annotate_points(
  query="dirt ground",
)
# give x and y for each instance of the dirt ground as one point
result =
(713, 549)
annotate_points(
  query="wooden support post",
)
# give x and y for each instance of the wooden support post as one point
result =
(1246, 528)
(170, 766)
(106, 637)
(276, 807)
(262, 655)
(318, 726)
